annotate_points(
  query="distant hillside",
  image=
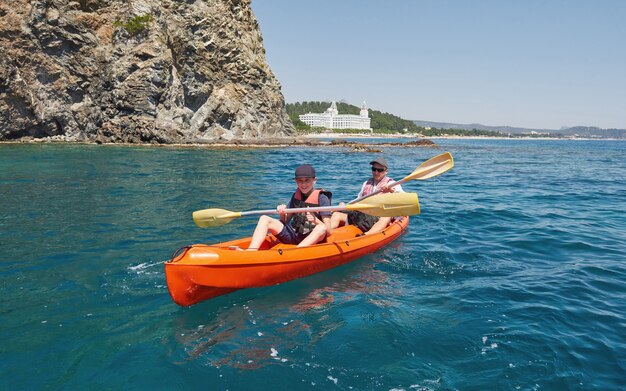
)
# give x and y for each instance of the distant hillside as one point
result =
(501, 129)
(591, 131)
(580, 131)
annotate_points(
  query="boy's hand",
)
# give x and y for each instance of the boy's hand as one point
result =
(310, 218)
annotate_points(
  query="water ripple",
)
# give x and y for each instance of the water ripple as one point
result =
(511, 278)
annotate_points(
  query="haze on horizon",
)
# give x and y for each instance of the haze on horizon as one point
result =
(534, 64)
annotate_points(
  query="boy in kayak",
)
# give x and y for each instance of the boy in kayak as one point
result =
(303, 229)
(379, 181)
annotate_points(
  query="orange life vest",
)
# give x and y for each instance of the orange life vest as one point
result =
(298, 221)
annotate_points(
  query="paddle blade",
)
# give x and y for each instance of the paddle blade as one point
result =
(388, 205)
(208, 218)
(432, 167)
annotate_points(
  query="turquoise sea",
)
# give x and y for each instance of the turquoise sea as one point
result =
(513, 277)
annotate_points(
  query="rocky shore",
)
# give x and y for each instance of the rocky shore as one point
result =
(277, 142)
(155, 72)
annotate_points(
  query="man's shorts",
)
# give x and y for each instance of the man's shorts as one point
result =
(363, 221)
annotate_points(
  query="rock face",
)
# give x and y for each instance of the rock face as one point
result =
(148, 71)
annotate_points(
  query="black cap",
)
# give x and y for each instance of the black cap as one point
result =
(381, 161)
(305, 171)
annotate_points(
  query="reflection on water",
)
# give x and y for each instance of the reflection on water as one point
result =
(288, 324)
(284, 324)
(250, 334)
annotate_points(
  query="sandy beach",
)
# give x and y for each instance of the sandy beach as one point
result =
(360, 135)
(421, 137)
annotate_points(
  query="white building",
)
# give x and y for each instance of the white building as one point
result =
(331, 119)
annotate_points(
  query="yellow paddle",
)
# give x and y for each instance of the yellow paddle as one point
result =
(382, 205)
(430, 168)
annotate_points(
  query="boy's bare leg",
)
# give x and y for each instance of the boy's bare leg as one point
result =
(266, 224)
(318, 233)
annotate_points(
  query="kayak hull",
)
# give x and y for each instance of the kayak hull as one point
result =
(200, 272)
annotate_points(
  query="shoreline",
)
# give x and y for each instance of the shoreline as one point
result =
(298, 141)
(307, 140)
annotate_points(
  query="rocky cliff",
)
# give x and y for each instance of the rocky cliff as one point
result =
(147, 71)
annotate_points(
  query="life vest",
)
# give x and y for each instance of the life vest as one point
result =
(368, 187)
(298, 221)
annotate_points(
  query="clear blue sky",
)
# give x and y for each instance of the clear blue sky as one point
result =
(533, 64)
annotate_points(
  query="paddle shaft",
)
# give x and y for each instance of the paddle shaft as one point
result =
(296, 210)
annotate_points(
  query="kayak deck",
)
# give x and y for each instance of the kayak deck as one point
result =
(200, 272)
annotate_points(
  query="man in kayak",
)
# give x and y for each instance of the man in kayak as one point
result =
(379, 181)
(303, 229)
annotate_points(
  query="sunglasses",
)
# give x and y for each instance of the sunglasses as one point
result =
(378, 169)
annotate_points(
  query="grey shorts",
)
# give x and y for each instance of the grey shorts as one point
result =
(289, 236)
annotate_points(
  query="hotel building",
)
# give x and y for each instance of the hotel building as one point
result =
(331, 119)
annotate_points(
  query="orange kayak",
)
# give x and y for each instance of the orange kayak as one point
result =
(200, 272)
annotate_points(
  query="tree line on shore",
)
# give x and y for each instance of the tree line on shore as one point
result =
(386, 123)
(383, 123)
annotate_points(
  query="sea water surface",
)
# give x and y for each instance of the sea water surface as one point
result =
(513, 276)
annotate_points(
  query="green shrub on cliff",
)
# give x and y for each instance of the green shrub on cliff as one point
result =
(135, 25)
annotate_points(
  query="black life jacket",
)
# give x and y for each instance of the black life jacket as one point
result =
(298, 221)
